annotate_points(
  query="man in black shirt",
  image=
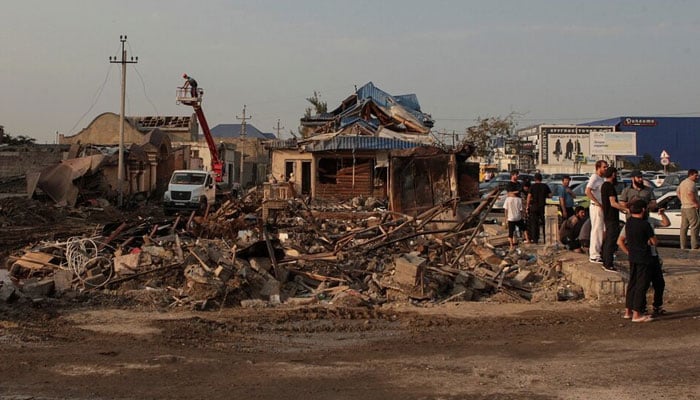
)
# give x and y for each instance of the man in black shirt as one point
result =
(611, 217)
(536, 201)
(636, 243)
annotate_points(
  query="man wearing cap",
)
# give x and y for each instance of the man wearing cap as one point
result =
(637, 190)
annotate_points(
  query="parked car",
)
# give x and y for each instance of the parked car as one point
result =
(672, 204)
(577, 179)
(581, 199)
(658, 179)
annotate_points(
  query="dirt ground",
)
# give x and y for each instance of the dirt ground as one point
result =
(99, 346)
(92, 347)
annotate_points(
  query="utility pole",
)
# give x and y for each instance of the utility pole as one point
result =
(278, 129)
(243, 135)
(120, 172)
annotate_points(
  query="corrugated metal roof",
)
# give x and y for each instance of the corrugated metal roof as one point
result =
(234, 131)
(361, 143)
(282, 144)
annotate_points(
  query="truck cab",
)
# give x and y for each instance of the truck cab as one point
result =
(189, 190)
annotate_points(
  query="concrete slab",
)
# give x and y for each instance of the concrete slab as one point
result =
(681, 272)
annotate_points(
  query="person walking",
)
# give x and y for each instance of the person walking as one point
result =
(636, 243)
(611, 218)
(192, 84)
(688, 195)
(638, 190)
(536, 202)
(596, 212)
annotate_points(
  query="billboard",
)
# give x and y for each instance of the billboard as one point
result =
(614, 143)
(565, 144)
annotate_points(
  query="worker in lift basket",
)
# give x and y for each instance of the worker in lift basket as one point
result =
(191, 83)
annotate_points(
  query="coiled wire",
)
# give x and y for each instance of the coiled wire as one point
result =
(83, 254)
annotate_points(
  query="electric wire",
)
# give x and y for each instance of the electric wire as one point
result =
(143, 85)
(97, 97)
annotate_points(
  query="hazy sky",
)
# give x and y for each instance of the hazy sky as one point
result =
(551, 61)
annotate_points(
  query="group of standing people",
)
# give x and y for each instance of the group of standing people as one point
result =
(604, 212)
(636, 238)
(524, 207)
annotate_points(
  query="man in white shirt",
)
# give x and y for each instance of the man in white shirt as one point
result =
(596, 211)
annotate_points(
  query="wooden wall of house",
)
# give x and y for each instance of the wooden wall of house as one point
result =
(351, 182)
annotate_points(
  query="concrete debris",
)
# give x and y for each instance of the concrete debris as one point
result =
(355, 254)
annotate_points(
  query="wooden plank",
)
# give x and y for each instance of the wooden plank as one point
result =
(35, 260)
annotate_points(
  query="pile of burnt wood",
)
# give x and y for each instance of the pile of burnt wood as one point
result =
(302, 255)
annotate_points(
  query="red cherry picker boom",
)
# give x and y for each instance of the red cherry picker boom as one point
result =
(186, 96)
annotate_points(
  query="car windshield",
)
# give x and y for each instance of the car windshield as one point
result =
(188, 178)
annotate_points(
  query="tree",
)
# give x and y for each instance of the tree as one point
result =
(14, 141)
(490, 133)
(649, 163)
(321, 107)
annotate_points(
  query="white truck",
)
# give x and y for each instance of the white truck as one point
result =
(189, 190)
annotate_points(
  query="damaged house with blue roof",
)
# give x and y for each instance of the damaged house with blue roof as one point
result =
(374, 145)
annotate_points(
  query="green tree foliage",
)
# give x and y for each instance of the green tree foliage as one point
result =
(649, 163)
(486, 133)
(319, 106)
(19, 140)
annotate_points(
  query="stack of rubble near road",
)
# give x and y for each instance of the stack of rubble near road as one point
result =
(306, 255)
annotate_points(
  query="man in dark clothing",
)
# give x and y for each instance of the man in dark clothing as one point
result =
(192, 84)
(514, 185)
(571, 228)
(637, 244)
(611, 217)
(536, 201)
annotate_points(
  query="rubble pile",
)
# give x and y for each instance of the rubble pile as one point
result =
(351, 254)
(27, 212)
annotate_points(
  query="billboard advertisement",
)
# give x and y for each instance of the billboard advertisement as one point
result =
(565, 145)
(614, 143)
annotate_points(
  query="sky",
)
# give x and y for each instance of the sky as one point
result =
(543, 61)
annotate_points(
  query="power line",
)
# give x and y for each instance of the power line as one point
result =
(97, 97)
(143, 85)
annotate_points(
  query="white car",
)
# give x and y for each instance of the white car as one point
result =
(672, 206)
(658, 179)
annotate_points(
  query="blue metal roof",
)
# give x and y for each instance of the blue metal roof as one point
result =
(234, 131)
(361, 143)
(384, 99)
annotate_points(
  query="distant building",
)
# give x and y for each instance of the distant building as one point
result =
(251, 145)
(678, 136)
(561, 148)
(104, 129)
